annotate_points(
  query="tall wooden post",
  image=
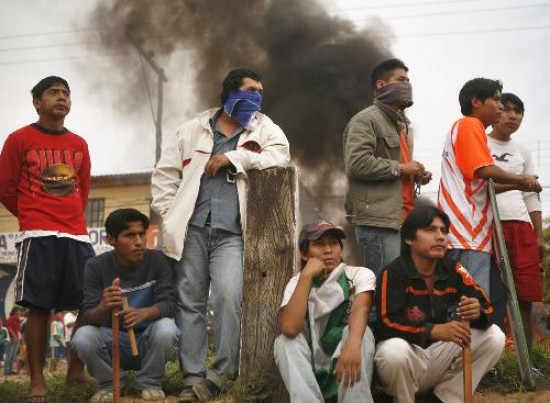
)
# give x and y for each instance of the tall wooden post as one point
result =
(269, 256)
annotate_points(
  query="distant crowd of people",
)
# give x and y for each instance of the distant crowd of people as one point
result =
(428, 288)
(13, 350)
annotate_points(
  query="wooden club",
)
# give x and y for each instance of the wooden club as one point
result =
(467, 370)
(115, 327)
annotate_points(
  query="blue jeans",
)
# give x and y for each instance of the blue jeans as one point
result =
(12, 349)
(380, 246)
(476, 262)
(58, 352)
(212, 261)
(157, 345)
(499, 296)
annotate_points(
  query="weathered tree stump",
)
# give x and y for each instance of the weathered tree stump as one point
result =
(269, 258)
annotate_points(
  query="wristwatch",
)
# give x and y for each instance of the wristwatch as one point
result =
(396, 171)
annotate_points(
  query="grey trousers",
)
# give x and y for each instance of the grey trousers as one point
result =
(404, 369)
(293, 357)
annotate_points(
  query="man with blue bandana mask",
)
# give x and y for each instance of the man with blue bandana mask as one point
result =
(379, 166)
(199, 189)
(242, 106)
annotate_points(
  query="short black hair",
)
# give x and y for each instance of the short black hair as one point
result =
(120, 219)
(46, 83)
(384, 70)
(234, 80)
(480, 88)
(420, 217)
(508, 97)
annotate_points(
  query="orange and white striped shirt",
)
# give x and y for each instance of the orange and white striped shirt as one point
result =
(462, 195)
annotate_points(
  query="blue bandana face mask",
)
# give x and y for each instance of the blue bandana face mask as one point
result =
(242, 106)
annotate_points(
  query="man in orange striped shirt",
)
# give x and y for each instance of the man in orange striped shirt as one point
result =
(467, 165)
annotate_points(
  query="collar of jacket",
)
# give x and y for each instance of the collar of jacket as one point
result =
(395, 117)
(441, 268)
(391, 113)
(204, 118)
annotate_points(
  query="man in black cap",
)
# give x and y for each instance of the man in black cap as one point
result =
(326, 348)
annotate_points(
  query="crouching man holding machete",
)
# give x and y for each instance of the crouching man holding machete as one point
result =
(145, 278)
(425, 305)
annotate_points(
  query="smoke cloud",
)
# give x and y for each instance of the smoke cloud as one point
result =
(316, 67)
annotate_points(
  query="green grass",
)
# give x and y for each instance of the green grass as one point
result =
(58, 391)
(505, 379)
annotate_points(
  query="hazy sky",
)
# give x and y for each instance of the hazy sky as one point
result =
(444, 43)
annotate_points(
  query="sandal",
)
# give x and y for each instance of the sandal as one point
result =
(37, 399)
(152, 395)
(102, 396)
(187, 395)
(206, 390)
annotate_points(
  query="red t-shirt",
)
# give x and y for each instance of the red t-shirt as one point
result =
(45, 179)
(14, 325)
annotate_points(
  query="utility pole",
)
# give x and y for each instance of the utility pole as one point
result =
(161, 79)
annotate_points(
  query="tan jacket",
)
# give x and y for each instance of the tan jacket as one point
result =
(176, 179)
(371, 158)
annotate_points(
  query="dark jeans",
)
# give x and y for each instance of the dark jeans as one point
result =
(499, 295)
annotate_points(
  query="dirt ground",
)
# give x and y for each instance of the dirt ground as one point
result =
(541, 396)
(531, 397)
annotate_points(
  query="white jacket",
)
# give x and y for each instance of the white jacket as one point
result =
(176, 179)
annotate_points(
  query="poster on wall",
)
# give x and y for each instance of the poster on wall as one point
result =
(7, 275)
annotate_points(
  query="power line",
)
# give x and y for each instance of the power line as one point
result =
(455, 12)
(429, 34)
(57, 45)
(72, 31)
(401, 5)
(82, 30)
(115, 54)
(479, 31)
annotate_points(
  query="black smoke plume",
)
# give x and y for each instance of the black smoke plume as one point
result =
(316, 67)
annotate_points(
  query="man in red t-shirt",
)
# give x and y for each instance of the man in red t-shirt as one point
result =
(44, 182)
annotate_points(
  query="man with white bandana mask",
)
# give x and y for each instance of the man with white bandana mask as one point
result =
(199, 188)
(379, 166)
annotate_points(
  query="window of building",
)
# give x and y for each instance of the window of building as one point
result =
(95, 213)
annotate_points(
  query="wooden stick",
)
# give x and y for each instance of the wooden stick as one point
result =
(467, 370)
(115, 327)
(130, 332)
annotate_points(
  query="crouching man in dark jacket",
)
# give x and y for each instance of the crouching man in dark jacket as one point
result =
(423, 304)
